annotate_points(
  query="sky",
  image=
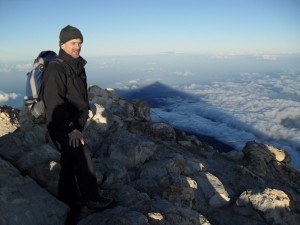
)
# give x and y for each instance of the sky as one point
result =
(140, 27)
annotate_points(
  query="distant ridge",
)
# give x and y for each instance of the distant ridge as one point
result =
(155, 94)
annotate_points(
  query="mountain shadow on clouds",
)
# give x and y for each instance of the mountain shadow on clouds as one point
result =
(157, 94)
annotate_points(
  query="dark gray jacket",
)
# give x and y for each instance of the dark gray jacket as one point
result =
(65, 94)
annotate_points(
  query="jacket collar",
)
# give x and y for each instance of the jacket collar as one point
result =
(76, 64)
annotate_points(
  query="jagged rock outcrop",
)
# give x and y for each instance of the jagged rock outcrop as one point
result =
(8, 120)
(156, 175)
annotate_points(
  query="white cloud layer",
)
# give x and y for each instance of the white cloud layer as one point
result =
(184, 74)
(262, 108)
(26, 67)
(132, 84)
(4, 97)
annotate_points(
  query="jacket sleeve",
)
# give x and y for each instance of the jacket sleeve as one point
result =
(56, 104)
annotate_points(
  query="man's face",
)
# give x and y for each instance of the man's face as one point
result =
(72, 47)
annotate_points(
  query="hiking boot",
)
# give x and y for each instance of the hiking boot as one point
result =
(102, 203)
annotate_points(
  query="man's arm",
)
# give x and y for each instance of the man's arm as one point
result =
(55, 88)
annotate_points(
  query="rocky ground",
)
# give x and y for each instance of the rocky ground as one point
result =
(156, 175)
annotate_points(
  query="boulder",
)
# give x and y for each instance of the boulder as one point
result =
(260, 156)
(112, 102)
(152, 169)
(130, 198)
(273, 204)
(22, 201)
(141, 110)
(162, 212)
(111, 174)
(130, 149)
(211, 189)
(163, 131)
(117, 215)
(42, 164)
(8, 120)
(175, 188)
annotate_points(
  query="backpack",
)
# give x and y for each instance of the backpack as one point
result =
(35, 85)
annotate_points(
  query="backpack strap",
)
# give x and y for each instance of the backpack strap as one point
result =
(38, 63)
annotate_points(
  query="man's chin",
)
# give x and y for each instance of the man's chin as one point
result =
(75, 56)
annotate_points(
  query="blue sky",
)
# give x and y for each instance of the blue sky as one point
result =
(137, 27)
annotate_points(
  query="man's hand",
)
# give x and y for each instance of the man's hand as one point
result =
(75, 137)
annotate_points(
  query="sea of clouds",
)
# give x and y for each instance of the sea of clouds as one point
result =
(265, 108)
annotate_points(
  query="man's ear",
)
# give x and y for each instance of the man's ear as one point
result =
(62, 46)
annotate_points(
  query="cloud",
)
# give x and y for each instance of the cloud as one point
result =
(270, 57)
(23, 67)
(229, 55)
(107, 64)
(263, 109)
(5, 69)
(26, 67)
(4, 97)
(171, 53)
(191, 86)
(132, 84)
(150, 69)
(184, 74)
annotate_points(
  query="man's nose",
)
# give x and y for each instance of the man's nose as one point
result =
(78, 46)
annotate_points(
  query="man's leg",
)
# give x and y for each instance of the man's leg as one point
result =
(86, 178)
(67, 187)
(85, 172)
(77, 163)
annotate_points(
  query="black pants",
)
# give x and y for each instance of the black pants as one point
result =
(77, 180)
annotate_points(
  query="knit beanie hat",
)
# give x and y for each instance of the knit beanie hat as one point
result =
(68, 33)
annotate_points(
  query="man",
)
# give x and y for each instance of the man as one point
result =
(67, 108)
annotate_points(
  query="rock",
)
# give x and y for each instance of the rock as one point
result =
(98, 127)
(42, 164)
(162, 212)
(130, 149)
(234, 155)
(111, 102)
(130, 198)
(153, 169)
(194, 166)
(181, 190)
(111, 174)
(175, 188)
(101, 121)
(188, 141)
(261, 155)
(22, 201)
(163, 131)
(269, 163)
(8, 120)
(272, 203)
(142, 110)
(212, 189)
(12, 146)
(117, 215)
(95, 90)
